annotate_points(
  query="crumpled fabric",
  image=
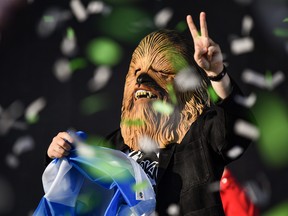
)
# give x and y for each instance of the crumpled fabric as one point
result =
(96, 181)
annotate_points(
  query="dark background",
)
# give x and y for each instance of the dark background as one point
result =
(27, 62)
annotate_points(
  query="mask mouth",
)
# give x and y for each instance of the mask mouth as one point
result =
(144, 94)
(147, 89)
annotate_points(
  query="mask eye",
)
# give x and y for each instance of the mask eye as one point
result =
(137, 70)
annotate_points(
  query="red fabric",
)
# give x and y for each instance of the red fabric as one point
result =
(234, 199)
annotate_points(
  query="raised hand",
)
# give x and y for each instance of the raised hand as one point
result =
(207, 53)
(59, 147)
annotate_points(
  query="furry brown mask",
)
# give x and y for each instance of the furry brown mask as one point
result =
(154, 65)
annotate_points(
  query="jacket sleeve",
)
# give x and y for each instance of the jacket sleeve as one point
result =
(229, 127)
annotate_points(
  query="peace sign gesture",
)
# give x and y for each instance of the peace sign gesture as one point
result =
(207, 53)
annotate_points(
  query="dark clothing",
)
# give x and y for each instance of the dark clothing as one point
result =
(187, 170)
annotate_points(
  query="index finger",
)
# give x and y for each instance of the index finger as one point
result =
(192, 26)
(203, 25)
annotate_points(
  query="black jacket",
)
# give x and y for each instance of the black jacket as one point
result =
(189, 171)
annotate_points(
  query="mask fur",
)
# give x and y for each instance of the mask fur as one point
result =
(160, 55)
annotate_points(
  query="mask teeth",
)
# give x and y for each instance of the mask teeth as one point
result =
(143, 93)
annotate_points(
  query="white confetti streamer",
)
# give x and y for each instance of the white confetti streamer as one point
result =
(162, 18)
(78, 10)
(247, 25)
(12, 161)
(69, 46)
(261, 81)
(95, 7)
(147, 144)
(246, 101)
(173, 210)
(35, 107)
(62, 70)
(51, 19)
(242, 45)
(245, 129)
(187, 79)
(235, 152)
(101, 77)
(9, 116)
(23, 144)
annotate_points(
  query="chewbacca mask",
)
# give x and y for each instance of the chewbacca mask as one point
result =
(154, 64)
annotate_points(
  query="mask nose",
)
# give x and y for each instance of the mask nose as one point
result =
(144, 78)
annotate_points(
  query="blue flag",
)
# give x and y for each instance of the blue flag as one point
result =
(95, 180)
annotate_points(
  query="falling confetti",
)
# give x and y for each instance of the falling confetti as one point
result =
(259, 190)
(272, 118)
(162, 107)
(78, 10)
(69, 43)
(173, 210)
(130, 24)
(101, 77)
(235, 152)
(281, 32)
(187, 79)
(147, 144)
(172, 93)
(214, 187)
(246, 101)
(32, 111)
(8, 117)
(247, 25)
(93, 104)
(104, 51)
(242, 45)
(98, 7)
(181, 26)
(245, 129)
(267, 81)
(51, 20)
(77, 64)
(23, 144)
(280, 209)
(163, 16)
(133, 122)
(12, 161)
(62, 70)
(140, 186)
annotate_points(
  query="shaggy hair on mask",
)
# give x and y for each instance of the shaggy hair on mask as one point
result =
(161, 55)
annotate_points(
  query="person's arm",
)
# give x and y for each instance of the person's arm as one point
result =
(209, 57)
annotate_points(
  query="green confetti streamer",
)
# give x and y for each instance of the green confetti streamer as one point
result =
(181, 26)
(269, 77)
(171, 93)
(279, 210)
(272, 119)
(77, 64)
(140, 186)
(133, 122)
(95, 140)
(93, 104)
(33, 119)
(70, 33)
(104, 51)
(213, 96)
(281, 32)
(48, 18)
(162, 107)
